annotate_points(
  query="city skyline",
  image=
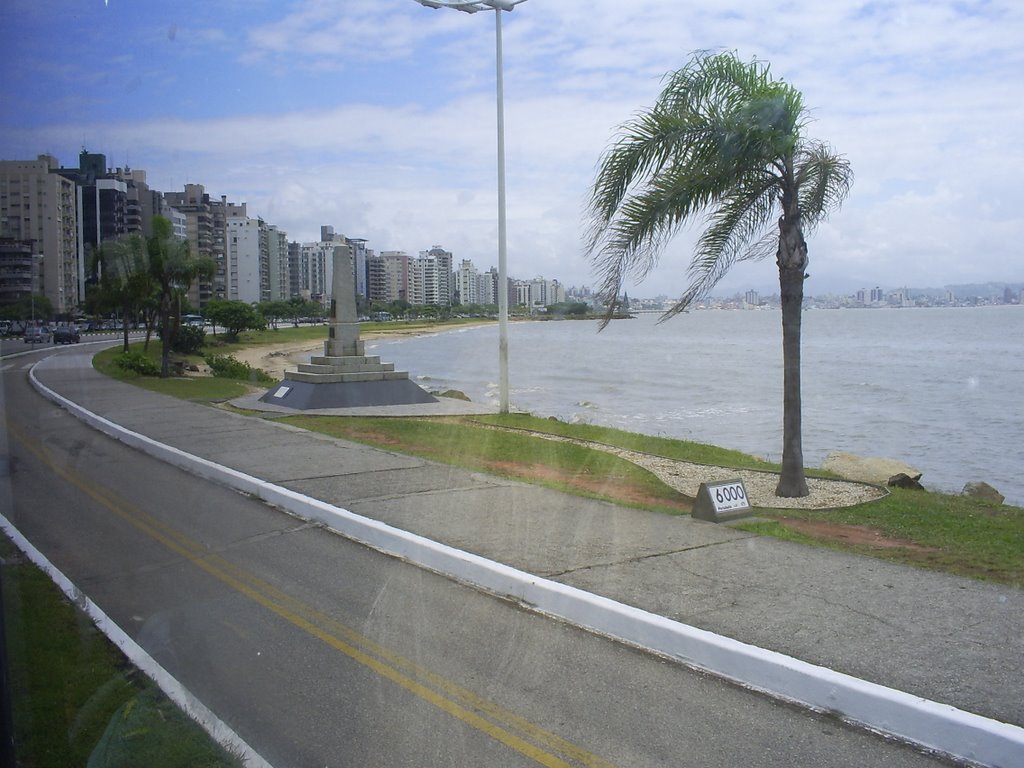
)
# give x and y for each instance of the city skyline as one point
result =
(379, 118)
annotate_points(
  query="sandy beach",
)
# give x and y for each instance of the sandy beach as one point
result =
(275, 359)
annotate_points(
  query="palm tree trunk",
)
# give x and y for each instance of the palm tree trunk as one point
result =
(165, 325)
(792, 261)
(125, 308)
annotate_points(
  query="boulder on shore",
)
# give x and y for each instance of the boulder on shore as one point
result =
(983, 491)
(867, 469)
(903, 480)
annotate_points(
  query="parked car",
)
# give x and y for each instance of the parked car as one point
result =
(66, 334)
(37, 335)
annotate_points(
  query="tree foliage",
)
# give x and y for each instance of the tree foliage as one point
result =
(172, 268)
(125, 281)
(724, 143)
(27, 307)
(234, 316)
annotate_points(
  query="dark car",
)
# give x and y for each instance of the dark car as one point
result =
(66, 334)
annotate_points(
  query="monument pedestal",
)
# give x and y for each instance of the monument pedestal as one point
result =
(344, 376)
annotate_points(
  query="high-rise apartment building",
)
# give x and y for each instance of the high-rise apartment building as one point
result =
(39, 210)
(257, 261)
(316, 269)
(394, 277)
(104, 212)
(278, 264)
(538, 293)
(467, 283)
(433, 277)
(207, 219)
(360, 264)
(20, 270)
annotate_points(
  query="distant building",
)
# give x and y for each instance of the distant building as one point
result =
(316, 268)
(390, 277)
(257, 259)
(468, 283)
(295, 271)
(206, 224)
(433, 277)
(538, 293)
(103, 210)
(20, 270)
(39, 211)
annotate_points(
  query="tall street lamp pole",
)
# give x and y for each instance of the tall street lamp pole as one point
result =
(472, 6)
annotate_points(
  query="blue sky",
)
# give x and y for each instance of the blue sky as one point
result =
(378, 117)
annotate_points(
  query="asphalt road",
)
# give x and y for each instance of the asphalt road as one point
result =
(320, 652)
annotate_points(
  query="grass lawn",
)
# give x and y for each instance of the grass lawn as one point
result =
(944, 532)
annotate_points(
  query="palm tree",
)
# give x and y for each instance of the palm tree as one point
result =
(172, 267)
(724, 141)
(125, 281)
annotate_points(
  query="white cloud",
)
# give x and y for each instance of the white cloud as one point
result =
(923, 97)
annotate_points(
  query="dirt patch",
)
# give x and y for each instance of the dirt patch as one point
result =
(622, 492)
(275, 359)
(854, 535)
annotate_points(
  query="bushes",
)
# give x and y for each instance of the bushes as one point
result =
(188, 340)
(137, 362)
(227, 367)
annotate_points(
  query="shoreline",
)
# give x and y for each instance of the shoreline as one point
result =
(855, 467)
(275, 359)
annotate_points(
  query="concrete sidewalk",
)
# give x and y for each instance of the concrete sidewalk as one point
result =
(949, 640)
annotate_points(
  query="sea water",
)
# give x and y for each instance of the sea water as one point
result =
(938, 388)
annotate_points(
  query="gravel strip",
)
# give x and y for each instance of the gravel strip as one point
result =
(686, 478)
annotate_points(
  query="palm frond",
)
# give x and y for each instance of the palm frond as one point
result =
(741, 228)
(824, 179)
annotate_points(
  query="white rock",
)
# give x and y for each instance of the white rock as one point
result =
(866, 469)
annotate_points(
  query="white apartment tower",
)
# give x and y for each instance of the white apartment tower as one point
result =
(433, 270)
(257, 257)
(467, 283)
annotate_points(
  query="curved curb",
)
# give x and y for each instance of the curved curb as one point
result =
(937, 727)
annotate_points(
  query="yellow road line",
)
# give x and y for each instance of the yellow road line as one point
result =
(450, 697)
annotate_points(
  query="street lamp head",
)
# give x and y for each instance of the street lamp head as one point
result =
(472, 6)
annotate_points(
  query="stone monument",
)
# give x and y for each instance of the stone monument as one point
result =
(344, 377)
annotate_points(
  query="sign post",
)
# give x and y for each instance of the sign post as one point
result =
(721, 502)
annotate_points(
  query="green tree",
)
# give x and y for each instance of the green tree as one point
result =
(273, 311)
(172, 268)
(125, 282)
(723, 141)
(234, 317)
(576, 308)
(27, 307)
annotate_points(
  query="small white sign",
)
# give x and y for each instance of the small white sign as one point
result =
(282, 391)
(728, 496)
(721, 502)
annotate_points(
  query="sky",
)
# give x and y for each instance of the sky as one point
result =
(378, 117)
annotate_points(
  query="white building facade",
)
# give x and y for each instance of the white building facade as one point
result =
(257, 257)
